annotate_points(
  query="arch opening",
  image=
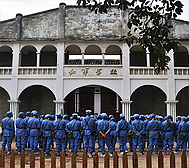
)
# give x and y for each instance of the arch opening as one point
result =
(4, 107)
(39, 98)
(148, 99)
(6, 56)
(28, 56)
(96, 98)
(183, 98)
(48, 56)
(181, 57)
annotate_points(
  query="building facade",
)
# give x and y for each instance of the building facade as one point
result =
(69, 59)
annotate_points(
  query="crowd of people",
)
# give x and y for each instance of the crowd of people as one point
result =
(146, 131)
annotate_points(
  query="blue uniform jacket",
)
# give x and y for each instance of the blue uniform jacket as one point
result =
(176, 125)
(90, 127)
(154, 133)
(170, 130)
(60, 129)
(103, 125)
(77, 128)
(9, 130)
(123, 130)
(138, 127)
(48, 129)
(183, 128)
(21, 128)
(34, 128)
(112, 127)
(145, 124)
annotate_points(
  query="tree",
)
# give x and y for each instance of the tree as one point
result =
(151, 19)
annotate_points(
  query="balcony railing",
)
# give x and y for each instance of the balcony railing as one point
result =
(145, 71)
(181, 71)
(37, 70)
(5, 70)
(93, 62)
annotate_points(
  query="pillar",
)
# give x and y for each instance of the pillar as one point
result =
(171, 109)
(117, 103)
(126, 108)
(97, 100)
(61, 20)
(148, 58)
(38, 58)
(14, 107)
(59, 107)
(103, 59)
(77, 101)
(18, 26)
(82, 61)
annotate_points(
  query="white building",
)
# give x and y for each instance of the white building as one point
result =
(69, 59)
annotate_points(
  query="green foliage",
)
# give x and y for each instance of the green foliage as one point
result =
(150, 19)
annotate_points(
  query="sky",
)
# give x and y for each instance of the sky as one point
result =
(9, 8)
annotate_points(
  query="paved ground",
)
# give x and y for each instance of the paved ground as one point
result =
(141, 159)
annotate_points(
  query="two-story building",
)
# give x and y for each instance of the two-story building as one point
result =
(69, 59)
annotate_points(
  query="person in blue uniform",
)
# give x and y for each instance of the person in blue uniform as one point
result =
(47, 127)
(123, 128)
(7, 126)
(147, 119)
(130, 138)
(96, 122)
(40, 137)
(88, 124)
(182, 128)
(21, 126)
(137, 126)
(65, 118)
(27, 142)
(75, 127)
(168, 128)
(60, 134)
(142, 118)
(113, 126)
(34, 127)
(52, 139)
(160, 141)
(153, 128)
(104, 129)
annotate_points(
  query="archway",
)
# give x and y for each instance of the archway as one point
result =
(6, 56)
(73, 55)
(183, 102)
(148, 99)
(39, 98)
(48, 56)
(28, 56)
(96, 98)
(4, 104)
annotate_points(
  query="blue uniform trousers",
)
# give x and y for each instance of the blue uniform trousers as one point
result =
(131, 143)
(20, 143)
(6, 140)
(46, 144)
(113, 141)
(153, 141)
(181, 143)
(74, 144)
(88, 142)
(33, 143)
(102, 142)
(122, 143)
(60, 143)
(137, 141)
(169, 142)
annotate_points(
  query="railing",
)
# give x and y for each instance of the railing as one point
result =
(146, 71)
(37, 70)
(6, 71)
(93, 62)
(95, 162)
(181, 70)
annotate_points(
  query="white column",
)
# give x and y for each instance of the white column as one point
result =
(38, 58)
(14, 107)
(97, 100)
(126, 108)
(77, 101)
(82, 62)
(148, 58)
(103, 59)
(171, 109)
(59, 106)
(117, 103)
